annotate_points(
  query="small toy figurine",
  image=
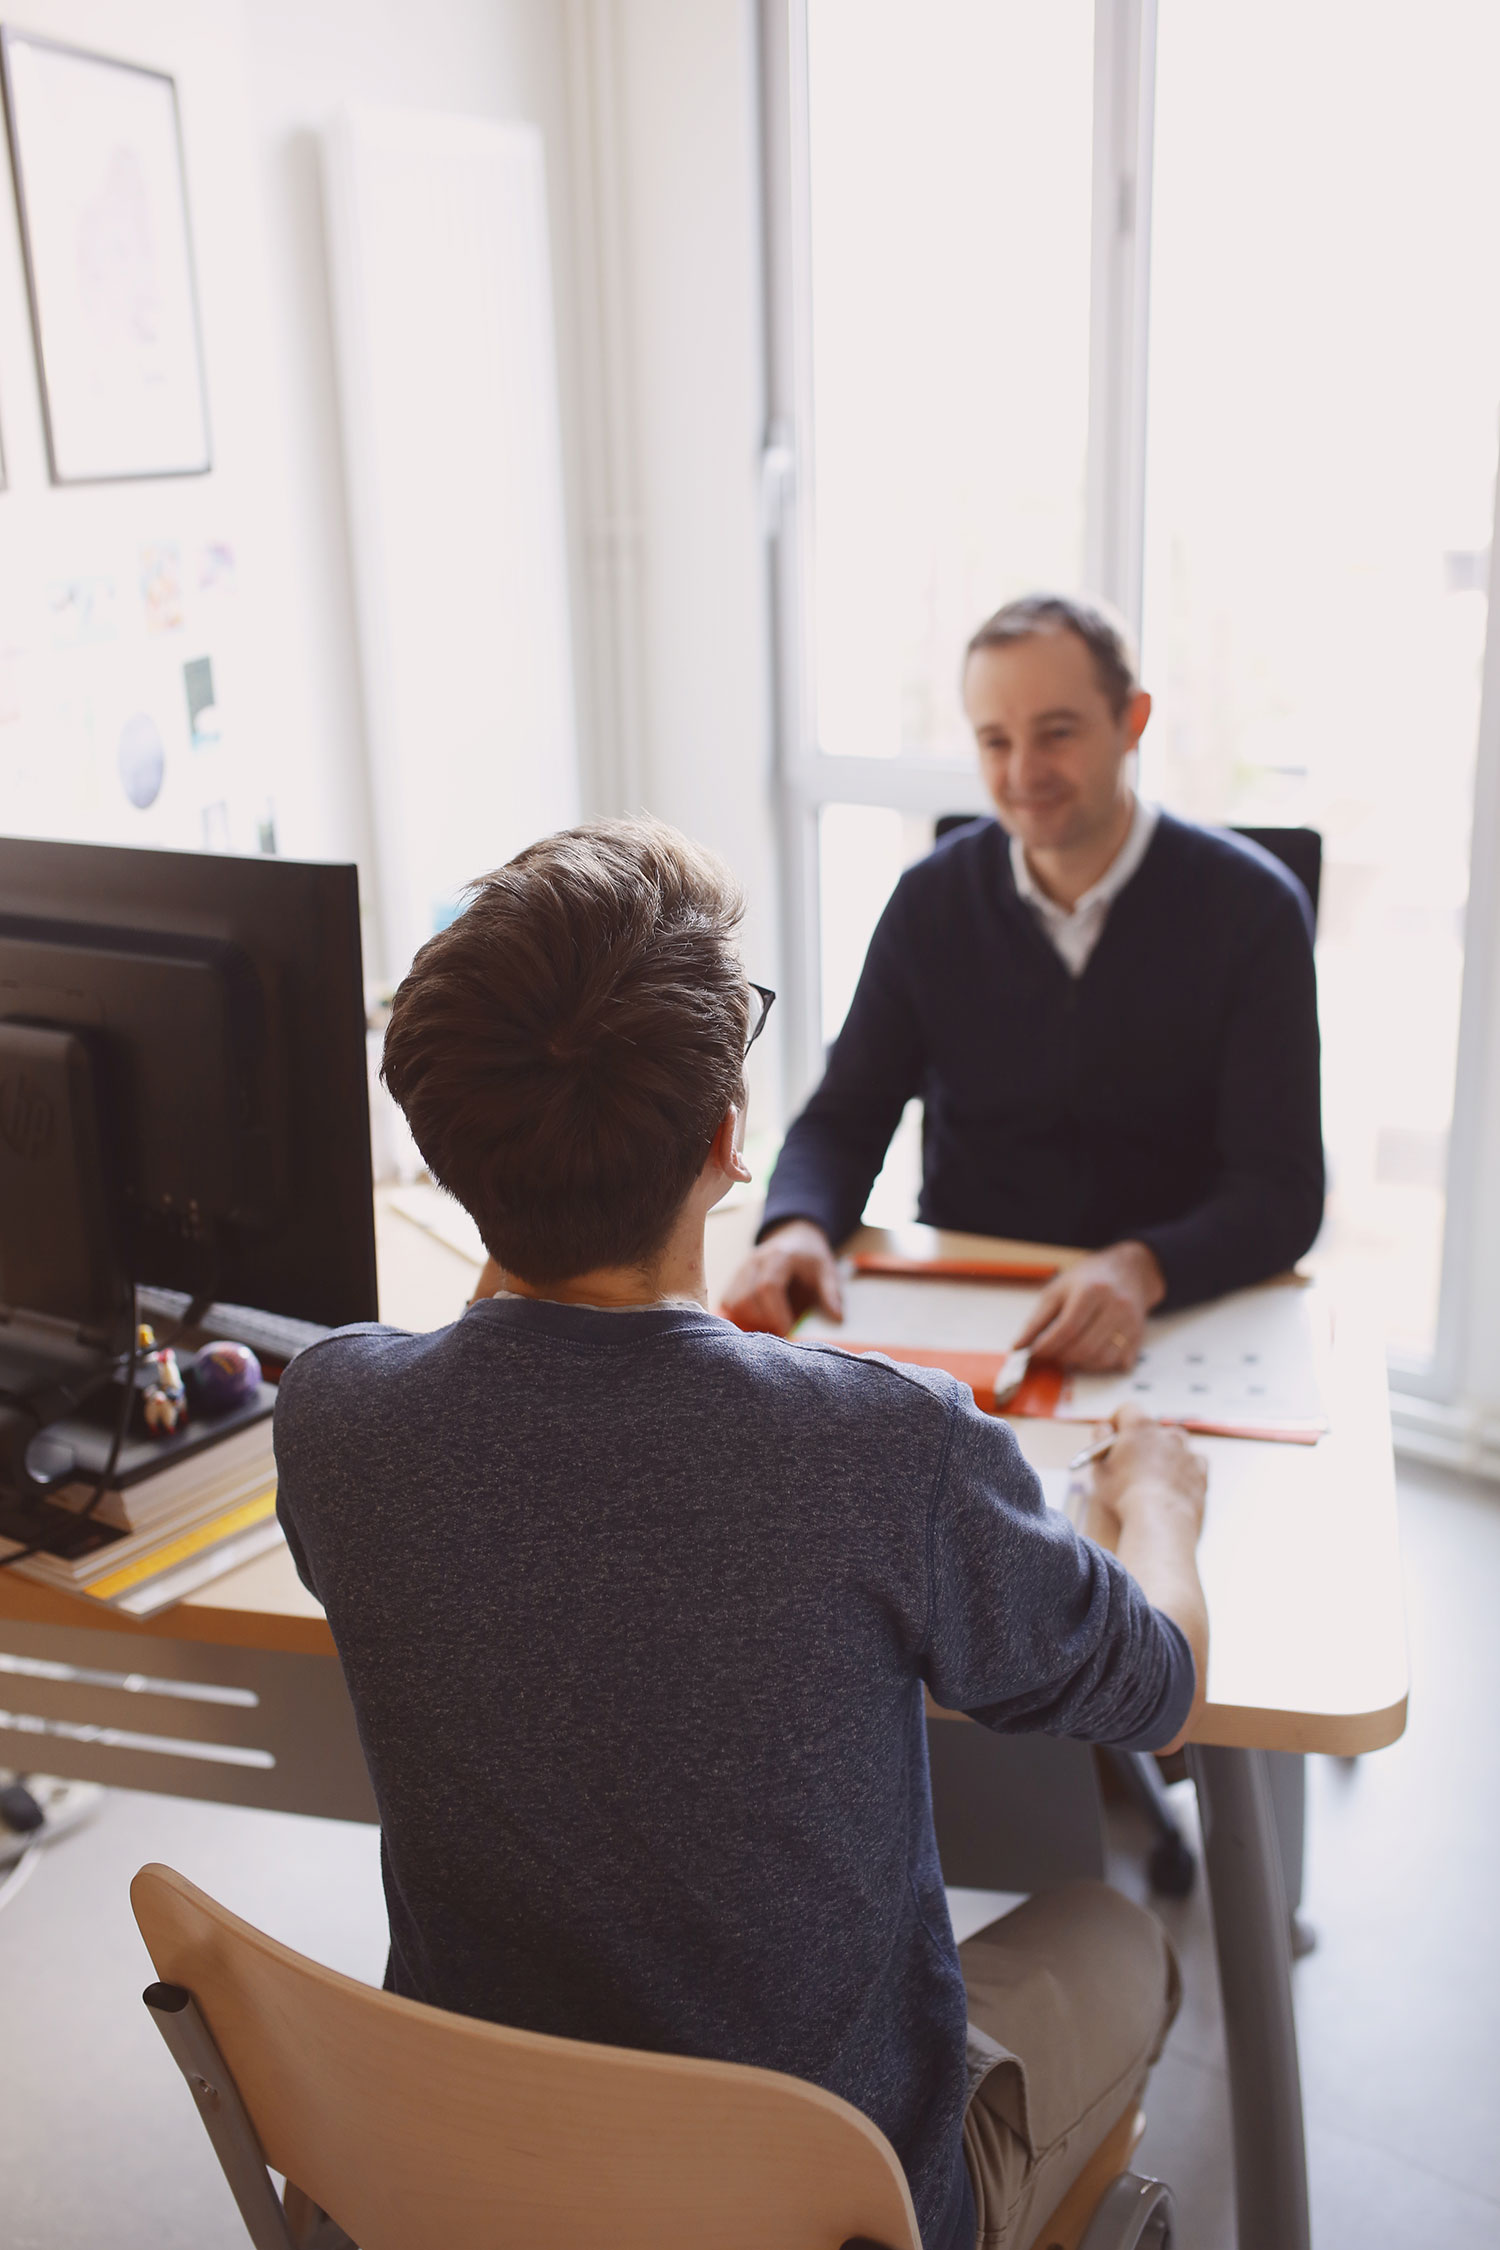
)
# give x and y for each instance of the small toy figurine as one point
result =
(164, 1400)
(222, 1376)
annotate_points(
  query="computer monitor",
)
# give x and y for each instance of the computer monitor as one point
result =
(183, 1098)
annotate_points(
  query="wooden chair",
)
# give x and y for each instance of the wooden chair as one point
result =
(420, 2130)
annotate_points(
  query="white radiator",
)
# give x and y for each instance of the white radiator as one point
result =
(442, 305)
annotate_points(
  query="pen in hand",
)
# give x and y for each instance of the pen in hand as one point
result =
(1094, 1452)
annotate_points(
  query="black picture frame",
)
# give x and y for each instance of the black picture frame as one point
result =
(111, 280)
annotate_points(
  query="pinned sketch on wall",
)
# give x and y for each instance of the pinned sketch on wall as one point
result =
(97, 153)
(161, 585)
(203, 712)
(84, 610)
(142, 759)
(123, 681)
(215, 567)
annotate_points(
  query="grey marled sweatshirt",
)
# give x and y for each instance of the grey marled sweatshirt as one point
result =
(635, 1612)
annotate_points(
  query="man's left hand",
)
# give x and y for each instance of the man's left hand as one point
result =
(1094, 1315)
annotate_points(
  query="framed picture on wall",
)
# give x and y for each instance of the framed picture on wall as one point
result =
(96, 148)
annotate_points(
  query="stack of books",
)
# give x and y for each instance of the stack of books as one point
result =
(183, 1510)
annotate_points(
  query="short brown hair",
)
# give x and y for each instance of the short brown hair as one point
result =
(566, 1050)
(1100, 631)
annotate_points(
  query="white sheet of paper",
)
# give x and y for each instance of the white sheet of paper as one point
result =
(890, 1310)
(1250, 1361)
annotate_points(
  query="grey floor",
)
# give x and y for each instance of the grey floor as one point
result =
(1398, 2008)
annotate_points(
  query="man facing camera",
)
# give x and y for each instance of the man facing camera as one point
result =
(1109, 1016)
(636, 1610)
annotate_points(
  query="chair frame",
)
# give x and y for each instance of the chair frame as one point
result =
(236, 2144)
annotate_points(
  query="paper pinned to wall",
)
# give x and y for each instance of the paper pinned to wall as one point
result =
(1247, 1366)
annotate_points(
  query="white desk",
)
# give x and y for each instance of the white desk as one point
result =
(235, 1694)
(1307, 1651)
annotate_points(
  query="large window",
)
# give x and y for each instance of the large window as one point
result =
(1196, 308)
(948, 205)
(1324, 391)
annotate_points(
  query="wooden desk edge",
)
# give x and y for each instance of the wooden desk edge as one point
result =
(1225, 1726)
(282, 1631)
(1336, 1734)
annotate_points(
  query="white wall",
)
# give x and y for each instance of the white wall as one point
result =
(491, 58)
(255, 78)
(674, 80)
(69, 681)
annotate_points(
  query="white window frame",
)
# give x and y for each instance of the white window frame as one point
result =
(807, 778)
(1474, 1123)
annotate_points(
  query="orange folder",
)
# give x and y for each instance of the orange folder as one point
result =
(1037, 1394)
(950, 1269)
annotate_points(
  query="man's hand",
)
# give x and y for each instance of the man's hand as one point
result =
(1147, 1504)
(1093, 1315)
(793, 1269)
(1152, 1470)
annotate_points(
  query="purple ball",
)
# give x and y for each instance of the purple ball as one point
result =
(221, 1376)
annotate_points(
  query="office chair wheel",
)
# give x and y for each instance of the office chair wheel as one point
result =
(1171, 1868)
(1135, 2214)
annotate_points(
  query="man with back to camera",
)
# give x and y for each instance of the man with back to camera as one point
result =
(635, 1610)
(1109, 1014)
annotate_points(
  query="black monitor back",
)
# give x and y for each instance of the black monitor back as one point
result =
(221, 1003)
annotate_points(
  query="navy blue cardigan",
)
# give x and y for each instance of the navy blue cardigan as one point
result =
(1168, 1096)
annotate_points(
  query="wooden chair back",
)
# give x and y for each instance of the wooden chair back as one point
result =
(419, 2130)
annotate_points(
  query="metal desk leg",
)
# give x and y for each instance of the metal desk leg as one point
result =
(1286, 1771)
(1251, 1936)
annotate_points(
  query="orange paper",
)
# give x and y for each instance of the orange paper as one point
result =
(981, 1371)
(950, 1269)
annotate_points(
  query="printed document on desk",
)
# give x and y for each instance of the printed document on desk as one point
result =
(885, 1312)
(1248, 1366)
(967, 1327)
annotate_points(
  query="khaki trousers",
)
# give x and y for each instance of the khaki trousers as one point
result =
(1071, 1998)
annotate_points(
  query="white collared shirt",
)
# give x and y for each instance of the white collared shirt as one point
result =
(1075, 931)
